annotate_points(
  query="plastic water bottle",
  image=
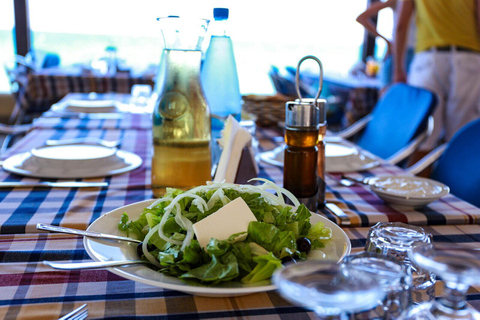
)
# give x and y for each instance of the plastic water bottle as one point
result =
(219, 74)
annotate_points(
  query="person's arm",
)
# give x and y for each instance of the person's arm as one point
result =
(405, 11)
(365, 19)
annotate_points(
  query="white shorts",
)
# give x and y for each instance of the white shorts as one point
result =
(454, 76)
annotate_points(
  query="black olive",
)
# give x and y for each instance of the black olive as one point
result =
(289, 259)
(150, 247)
(304, 245)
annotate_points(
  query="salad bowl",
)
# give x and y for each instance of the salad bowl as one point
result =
(105, 250)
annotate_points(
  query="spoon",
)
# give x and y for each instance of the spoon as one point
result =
(348, 181)
(351, 180)
(86, 140)
(41, 226)
(93, 264)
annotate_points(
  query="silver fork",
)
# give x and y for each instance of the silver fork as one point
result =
(78, 314)
(87, 140)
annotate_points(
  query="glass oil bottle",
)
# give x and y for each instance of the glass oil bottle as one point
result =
(304, 162)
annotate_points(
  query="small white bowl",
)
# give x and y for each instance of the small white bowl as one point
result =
(408, 191)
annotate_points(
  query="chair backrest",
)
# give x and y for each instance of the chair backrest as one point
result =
(398, 117)
(459, 165)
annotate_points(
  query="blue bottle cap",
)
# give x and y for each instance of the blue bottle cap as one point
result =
(220, 13)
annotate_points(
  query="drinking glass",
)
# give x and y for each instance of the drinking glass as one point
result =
(459, 268)
(332, 291)
(141, 94)
(396, 239)
(395, 279)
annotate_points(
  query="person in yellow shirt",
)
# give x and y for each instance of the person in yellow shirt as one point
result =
(447, 60)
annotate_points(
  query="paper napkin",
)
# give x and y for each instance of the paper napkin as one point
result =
(237, 163)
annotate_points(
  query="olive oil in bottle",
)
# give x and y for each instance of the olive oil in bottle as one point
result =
(301, 152)
(181, 118)
(304, 161)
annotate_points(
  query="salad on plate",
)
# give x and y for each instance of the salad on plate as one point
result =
(277, 233)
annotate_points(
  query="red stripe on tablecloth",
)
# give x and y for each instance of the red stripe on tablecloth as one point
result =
(57, 277)
(449, 203)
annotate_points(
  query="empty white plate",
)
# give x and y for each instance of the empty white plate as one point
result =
(338, 158)
(72, 161)
(90, 106)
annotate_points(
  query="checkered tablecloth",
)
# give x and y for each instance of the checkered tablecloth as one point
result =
(136, 117)
(46, 87)
(364, 208)
(58, 205)
(30, 290)
(88, 122)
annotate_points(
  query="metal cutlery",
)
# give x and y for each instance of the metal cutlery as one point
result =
(86, 140)
(93, 264)
(336, 211)
(92, 234)
(78, 314)
(364, 181)
(48, 184)
(348, 181)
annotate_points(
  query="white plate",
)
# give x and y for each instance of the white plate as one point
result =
(75, 106)
(408, 191)
(40, 163)
(104, 250)
(338, 158)
(91, 106)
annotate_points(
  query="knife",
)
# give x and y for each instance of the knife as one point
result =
(93, 264)
(336, 211)
(48, 184)
(47, 227)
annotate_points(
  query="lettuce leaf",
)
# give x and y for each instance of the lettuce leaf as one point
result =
(318, 234)
(266, 266)
(272, 238)
(219, 269)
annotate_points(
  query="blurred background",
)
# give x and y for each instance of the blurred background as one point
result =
(264, 33)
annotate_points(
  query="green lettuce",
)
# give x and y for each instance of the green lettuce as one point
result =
(266, 266)
(251, 258)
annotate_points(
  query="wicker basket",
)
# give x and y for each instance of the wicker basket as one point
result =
(269, 110)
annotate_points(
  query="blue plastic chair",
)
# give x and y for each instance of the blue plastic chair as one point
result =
(400, 121)
(457, 163)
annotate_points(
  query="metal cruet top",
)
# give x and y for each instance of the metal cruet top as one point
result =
(306, 112)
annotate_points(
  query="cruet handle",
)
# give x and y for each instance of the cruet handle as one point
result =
(320, 79)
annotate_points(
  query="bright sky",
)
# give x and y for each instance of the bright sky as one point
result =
(6, 15)
(279, 30)
(329, 21)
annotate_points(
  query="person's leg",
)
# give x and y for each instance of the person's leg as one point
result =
(463, 103)
(430, 70)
